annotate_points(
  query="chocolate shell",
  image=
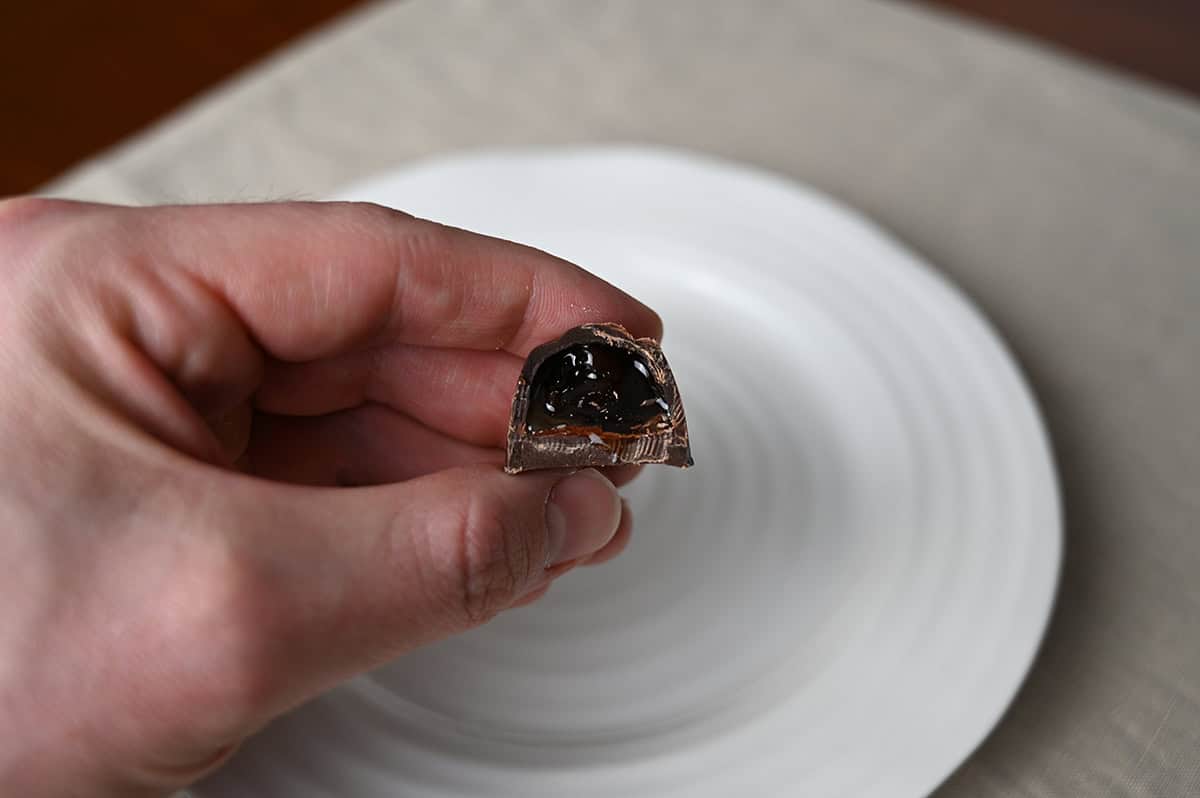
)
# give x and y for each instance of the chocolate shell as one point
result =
(597, 396)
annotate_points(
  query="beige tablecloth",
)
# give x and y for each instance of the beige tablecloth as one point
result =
(1064, 199)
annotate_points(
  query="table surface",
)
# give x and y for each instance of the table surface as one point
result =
(1063, 199)
(104, 70)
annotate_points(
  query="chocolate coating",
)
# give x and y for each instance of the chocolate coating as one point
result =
(596, 396)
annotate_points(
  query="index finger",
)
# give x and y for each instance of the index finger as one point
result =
(314, 279)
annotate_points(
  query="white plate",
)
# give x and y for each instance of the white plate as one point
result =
(839, 600)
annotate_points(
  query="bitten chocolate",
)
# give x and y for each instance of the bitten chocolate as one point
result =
(596, 396)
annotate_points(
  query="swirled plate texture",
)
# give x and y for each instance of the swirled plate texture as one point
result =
(840, 599)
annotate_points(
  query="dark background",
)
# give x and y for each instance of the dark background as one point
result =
(77, 76)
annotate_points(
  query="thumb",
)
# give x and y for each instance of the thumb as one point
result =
(337, 581)
(448, 551)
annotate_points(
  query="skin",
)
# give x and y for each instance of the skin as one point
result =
(250, 451)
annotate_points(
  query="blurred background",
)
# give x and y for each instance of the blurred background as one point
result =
(77, 77)
(1059, 193)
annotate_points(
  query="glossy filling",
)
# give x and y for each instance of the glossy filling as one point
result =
(594, 387)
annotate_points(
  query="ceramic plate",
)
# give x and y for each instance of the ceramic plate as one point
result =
(840, 599)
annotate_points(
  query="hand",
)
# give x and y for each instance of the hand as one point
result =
(250, 451)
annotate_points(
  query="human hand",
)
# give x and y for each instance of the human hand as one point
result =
(250, 451)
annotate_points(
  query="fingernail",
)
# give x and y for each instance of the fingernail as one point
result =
(582, 515)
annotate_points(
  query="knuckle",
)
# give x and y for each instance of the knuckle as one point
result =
(18, 212)
(228, 606)
(374, 212)
(432, 279)
(429, 246)
(57, 241)
(496, 558)
(368, 222)
(23, 237)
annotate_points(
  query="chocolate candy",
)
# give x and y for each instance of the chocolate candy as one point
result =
(596, 397)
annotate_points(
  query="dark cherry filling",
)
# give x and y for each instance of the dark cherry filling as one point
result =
(593, 386)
